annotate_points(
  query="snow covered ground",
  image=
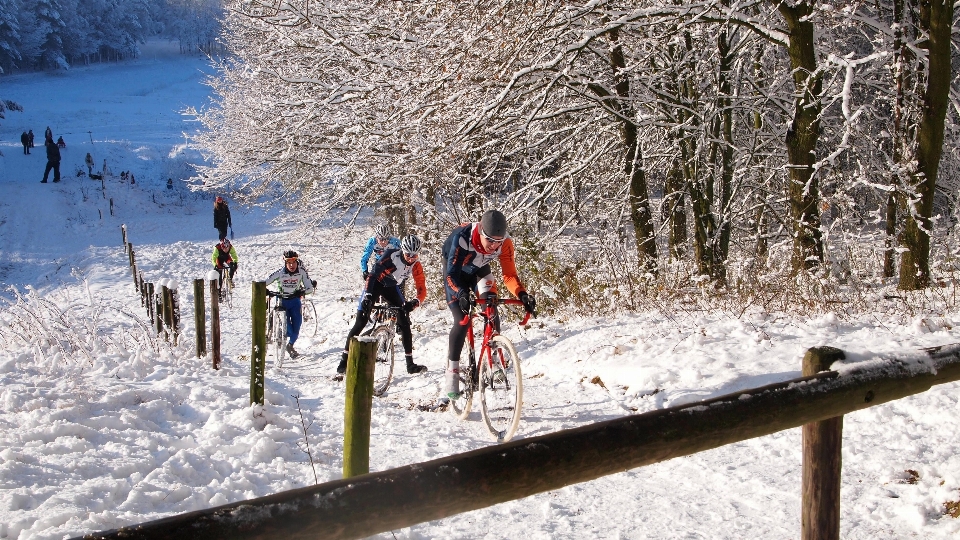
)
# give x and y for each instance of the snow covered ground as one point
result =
(101, 432)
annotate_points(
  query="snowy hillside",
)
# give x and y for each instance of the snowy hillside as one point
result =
(102, 426)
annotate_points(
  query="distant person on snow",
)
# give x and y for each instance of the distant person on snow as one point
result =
(89, 161)
(225, 256)
(25, 141)
(221, 217)
(30, 136)
(53, 161)
(60, 142)
(376, 245)
(294, 283)
(47, 135)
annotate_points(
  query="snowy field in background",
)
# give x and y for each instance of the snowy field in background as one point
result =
(137, 431)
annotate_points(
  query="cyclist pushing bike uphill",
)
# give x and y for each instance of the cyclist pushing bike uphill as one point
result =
(294, 283)
(395, 266)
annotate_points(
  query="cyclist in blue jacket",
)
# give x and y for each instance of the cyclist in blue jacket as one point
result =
(376, 246)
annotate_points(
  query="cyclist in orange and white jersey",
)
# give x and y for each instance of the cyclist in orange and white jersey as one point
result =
(467, 254)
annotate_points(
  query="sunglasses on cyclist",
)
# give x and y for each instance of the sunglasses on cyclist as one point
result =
(412, 256)
(491, 239)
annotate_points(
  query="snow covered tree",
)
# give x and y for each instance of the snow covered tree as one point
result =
(50, 30)
(759, 133)
(9, 35)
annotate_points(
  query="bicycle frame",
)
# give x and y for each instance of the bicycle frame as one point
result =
(489, 331)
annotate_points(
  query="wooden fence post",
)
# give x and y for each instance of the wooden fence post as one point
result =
(215, 323)
(822, 443)
(158, 309)
(143, 290)
(357, 406)
(151, 303)
(199, 318)
(123, 231)
(174, 287)
(167, 310)
(133, 270)
(258, 354)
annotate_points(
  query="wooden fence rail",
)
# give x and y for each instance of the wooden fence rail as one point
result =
(369, 504)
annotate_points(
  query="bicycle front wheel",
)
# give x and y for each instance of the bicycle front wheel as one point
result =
(468, 369)
(501, 389)
(309, 312)
(386, 353)
(279, 336)
(227, 294)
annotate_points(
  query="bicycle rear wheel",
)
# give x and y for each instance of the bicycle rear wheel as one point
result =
(279, 336)
(501, 389)
(468, 369)
(309, 311)
(386, 353)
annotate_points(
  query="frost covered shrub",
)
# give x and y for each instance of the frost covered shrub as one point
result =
(78, 329)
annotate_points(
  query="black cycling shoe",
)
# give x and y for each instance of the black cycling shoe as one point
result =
(342, 367)
(415, 368)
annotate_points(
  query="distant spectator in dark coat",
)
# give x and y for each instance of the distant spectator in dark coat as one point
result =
(30, 136)
(221, 216)
(25, 141)
(89, 161)
(53, 161)
(47, 135)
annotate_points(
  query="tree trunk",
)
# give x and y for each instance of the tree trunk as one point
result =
(900, 65)
(803, 192)
(722, 200)
(640, 215)
(676, 211)
(936, 21)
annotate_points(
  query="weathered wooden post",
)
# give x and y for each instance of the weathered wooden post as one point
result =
(143, 290)
(357, 406)
(200, 318)
(167, 310)
(214, 320)
(174, 288)
(123, 231)
(158, 309)
(822, 442)
(133, 270)
(258, 354)
(151, 304)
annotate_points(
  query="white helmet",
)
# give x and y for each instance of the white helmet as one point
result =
(382, 231)
(410, 245)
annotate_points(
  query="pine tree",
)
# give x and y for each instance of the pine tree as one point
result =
(9, 35)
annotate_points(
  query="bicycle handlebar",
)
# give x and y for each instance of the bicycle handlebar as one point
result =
(500, 301)
(283, 296)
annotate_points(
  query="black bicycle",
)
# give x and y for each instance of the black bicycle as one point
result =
(383, 318)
